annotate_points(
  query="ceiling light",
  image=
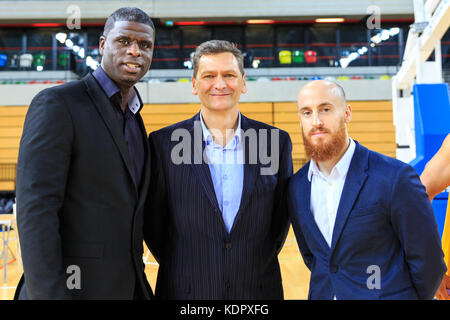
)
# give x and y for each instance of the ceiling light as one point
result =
(394, 31)
(260, 21)
(344, 62)
(81, 53)
(61, 37)
(69, 43)
(329, 20)
(362, 50)
(385, 35)
(376, 38)
(353, 55)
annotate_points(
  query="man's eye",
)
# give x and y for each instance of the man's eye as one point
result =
(124, 41)
(145, 45)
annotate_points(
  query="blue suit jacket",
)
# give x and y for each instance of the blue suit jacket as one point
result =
(185, 230)
(384, 223)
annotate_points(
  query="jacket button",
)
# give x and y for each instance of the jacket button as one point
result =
(334, 268)
(228, 245)
(227, 284)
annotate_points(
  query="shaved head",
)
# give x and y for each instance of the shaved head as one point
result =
(332, 87)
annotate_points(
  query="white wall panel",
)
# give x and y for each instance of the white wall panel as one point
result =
(41, 10)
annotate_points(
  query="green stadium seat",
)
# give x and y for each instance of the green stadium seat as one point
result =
(298, 56)
(39, 60)
(63, 59)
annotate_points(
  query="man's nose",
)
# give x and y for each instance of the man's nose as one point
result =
(220, 83)
(134, 49)
(317, 121)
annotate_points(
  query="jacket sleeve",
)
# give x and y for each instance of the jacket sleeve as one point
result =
(292, 209)
(156, 207)
(43, 166)
(280, 217)
(414, 222)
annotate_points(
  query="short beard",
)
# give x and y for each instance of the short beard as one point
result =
(328, 150)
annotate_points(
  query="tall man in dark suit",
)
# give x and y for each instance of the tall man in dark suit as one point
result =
(216, 219)
(83, 175)
(363, 221)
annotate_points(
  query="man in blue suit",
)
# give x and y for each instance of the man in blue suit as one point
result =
(216, 217)
(363, 222)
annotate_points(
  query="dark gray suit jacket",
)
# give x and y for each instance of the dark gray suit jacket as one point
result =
(185, 230)
(77, 203)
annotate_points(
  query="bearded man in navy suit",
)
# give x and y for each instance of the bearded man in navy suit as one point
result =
(363, 222)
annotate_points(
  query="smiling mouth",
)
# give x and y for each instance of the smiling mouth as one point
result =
(132, 67)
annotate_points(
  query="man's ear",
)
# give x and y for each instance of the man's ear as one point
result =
(101, 45)
(194, 87)
(348, 113)
(244, 87)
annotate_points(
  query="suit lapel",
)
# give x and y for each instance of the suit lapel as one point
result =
(199, 166)
(104, 107)
(356, 176)
(305, 205)
(146, 173)
(251, 170)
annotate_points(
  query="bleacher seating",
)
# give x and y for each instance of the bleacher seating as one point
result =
(372, 125)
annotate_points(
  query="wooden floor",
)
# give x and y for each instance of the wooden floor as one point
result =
(294, 273)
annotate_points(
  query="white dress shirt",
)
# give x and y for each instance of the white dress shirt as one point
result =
(326, 192)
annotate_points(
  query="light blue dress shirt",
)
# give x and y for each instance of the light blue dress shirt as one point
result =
(226, 166)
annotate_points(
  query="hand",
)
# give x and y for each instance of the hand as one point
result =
(444, 289)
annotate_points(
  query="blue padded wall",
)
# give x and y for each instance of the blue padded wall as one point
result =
(432, 124)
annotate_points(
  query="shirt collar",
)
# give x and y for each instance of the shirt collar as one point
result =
(341, 167)
(233, 144)
(313, 169)
(110, 88)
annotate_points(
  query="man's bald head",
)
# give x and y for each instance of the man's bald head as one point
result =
(325, 86)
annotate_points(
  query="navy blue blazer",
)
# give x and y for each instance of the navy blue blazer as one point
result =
(185, 231)
(385, 226)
